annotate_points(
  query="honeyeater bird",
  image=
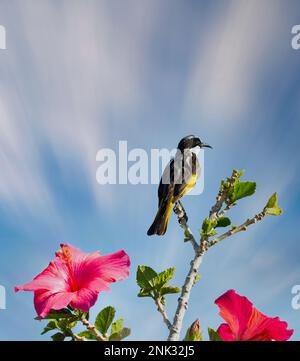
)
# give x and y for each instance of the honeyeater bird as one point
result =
(178, 178)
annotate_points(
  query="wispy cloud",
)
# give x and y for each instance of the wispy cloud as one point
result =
(81, 75)
(233, 54)
(83, 66)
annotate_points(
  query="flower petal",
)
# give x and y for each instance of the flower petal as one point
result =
(75, 278)
(97, 272)
(246, 323)
(54, 278)
(225, 333)
(45, 301)
(264, 328)
(84, 299)
(236, 311)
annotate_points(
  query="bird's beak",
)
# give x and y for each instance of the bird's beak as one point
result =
(204, 145)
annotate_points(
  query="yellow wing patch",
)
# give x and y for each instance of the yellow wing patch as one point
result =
(191, 184)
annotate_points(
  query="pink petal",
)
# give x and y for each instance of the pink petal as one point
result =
(114, 267)
(263, 328)
(236, 311)
(84, 299)
(246, 323)
(45, 301)
(54, 278)
(225, 333)
(97, 272)
(76, 278)
(278, 331)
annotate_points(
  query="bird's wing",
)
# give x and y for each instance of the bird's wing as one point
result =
(189, 177)
(166, 185)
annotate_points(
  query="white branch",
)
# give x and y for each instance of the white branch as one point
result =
(182, 220)
(200, 250)
(242, 227)
(93, 330)
(184, 298)
(162, 311)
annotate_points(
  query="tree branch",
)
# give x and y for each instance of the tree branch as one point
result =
(77, 337)
(200, 250)
(242, 227)
(92, 330)
(182, 220)
(215, 211)
(184, 297)
(162, 311)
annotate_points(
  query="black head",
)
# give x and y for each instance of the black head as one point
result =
(190, 142)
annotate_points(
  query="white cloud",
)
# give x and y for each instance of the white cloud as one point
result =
(233, 52)
(21, 180)
(78, 65)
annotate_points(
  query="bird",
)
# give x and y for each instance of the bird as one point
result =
(178, 178)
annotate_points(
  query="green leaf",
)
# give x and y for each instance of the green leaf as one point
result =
(187, 236)
(144, 293)
(80, 314)
(169, 290)
(117, 326)
(272, 207)
(213, 335)
(163, 278)
(240, 173)
(58, 337)
(68, 333)
(118, 336)
(223, 222)
(104, 319)
(72, 324)
(52, 325)
(196, 279)
(66, 324)
(242, 190)
(56, 315)
(151, 282)
(208, 228)
(207, 225)
(86, 315)
(210, 234)
(87, 335)
(144, 276)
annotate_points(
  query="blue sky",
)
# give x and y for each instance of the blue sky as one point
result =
(78, 76)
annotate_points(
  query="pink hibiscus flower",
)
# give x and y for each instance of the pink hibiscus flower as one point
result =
(246, 323)
(75, 278)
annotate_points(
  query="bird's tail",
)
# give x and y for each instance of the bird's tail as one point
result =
(160, 223)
